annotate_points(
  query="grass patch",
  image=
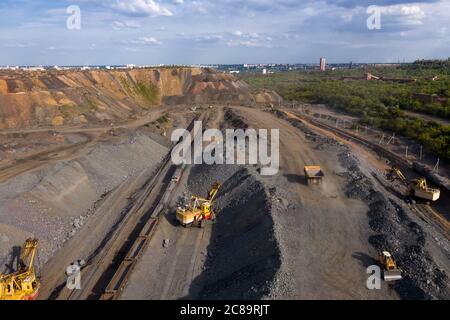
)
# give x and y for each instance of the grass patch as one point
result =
(163, 119)
(148, 92)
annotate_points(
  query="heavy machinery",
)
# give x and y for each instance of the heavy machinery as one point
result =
(22, 284)
(390, 270)
(199, 210)
(417, 188)
(313, 174)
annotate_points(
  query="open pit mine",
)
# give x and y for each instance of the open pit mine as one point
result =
(89, 192)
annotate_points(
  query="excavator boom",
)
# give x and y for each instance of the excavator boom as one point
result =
(28, 254)
(212, 194)
(396, 173)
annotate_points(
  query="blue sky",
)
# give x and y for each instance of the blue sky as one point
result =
(34, 32)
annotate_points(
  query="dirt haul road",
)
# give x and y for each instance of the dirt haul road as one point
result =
(93, 135)
(324, 240)
(175, 256)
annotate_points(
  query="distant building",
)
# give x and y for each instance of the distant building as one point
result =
(323, 64)
(38, 68)
(264, 71)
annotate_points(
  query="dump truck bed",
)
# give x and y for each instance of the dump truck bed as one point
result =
(313, 172)
(428, 194)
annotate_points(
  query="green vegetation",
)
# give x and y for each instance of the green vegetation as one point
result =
(378, 103)
(149, 92)
(124, 82)
(67, 110)
(87, 107)
(163, 119)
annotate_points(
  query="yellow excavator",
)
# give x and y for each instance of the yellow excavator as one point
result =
(199, 210)
(22, 284)
(390, 270)
(416, 188)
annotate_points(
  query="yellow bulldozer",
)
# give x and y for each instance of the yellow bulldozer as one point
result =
(390, 270)
(22, 284)
(417, 188)
(199, 210)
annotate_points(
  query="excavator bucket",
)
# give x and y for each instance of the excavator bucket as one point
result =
(392, 275)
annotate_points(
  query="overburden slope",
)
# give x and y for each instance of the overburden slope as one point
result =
(76, 97)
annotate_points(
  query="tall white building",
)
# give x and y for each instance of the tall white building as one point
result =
(323, 64)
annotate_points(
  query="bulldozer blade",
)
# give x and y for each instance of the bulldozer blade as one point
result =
(392, 275)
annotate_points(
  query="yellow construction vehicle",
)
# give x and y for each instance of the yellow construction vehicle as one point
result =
(22, 284)
(416, 188)
(390, 270)
(313, 174)
(199, 210)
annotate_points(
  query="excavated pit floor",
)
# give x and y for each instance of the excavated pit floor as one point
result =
(275, 237)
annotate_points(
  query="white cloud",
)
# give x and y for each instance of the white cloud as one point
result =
(145, 41)
(17, 45)
(202, 38)
(251, 43)
(211, 31)
(200, 7)
(141, 8)
(404, 14)
(131, 49)
(125, 25)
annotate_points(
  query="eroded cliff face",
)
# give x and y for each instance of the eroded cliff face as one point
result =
(43, 98)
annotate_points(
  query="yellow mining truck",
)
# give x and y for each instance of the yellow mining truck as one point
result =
(199, 210)
(22, 284)
(313, 174)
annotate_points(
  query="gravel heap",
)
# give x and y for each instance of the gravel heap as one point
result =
(243, 256)
(396, 232)
(54, 202)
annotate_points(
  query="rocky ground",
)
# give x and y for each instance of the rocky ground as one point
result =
(397, 230)
(54, 202)
(243, 255)
(421, 252)
(237, 257)
(275, 237)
